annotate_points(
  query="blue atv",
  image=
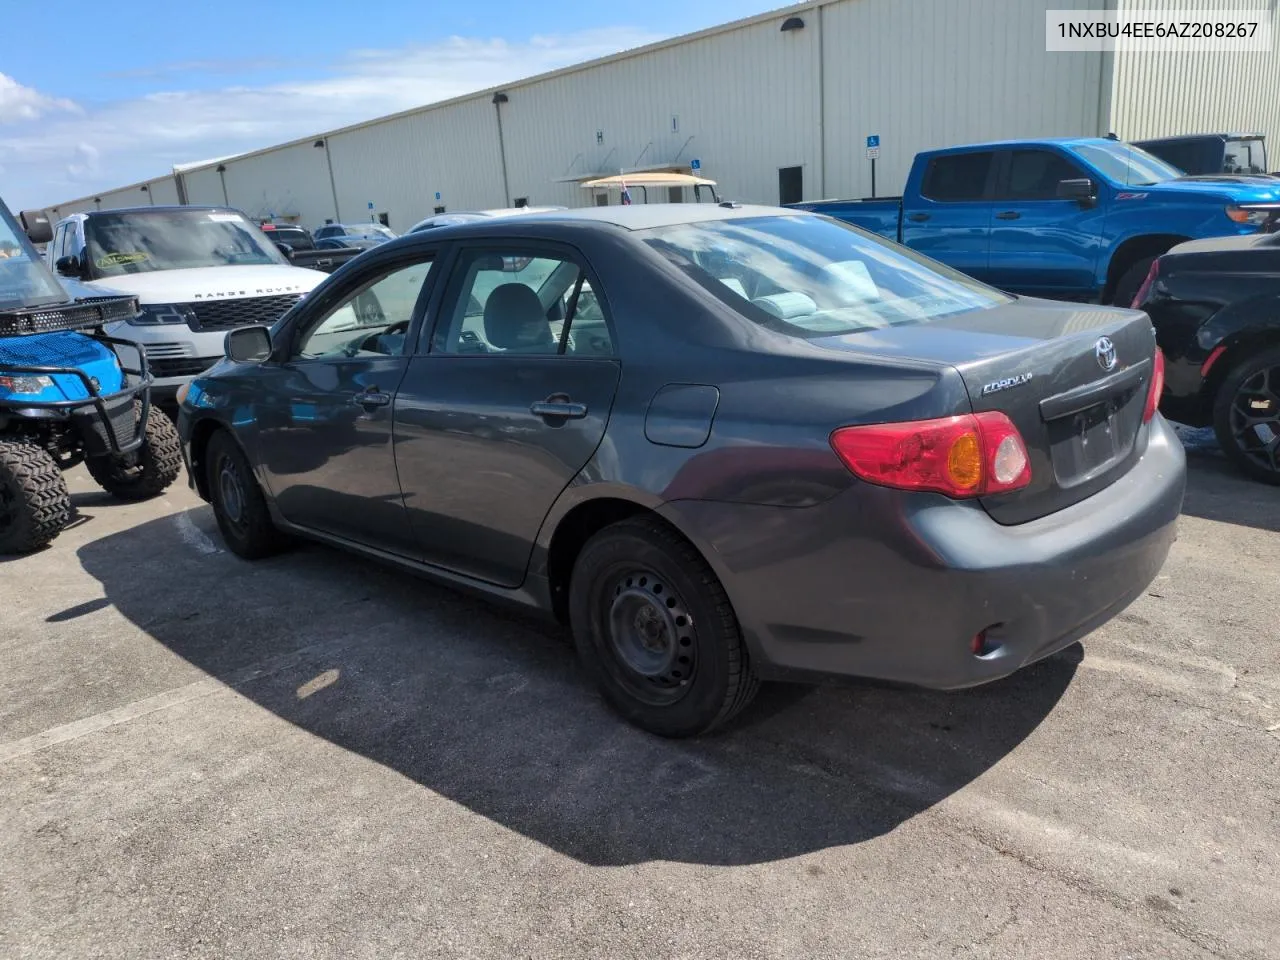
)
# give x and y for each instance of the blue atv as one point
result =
(69, 394)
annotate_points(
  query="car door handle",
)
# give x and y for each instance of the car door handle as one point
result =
(1008, 215)
(559, 407)
(373, 397)
(918, 217)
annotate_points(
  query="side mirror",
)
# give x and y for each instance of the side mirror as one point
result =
(37, 226)
(248, 344)
(69, 267)
(285, 248)
(1082, 191)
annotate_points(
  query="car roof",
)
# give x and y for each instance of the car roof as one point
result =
(160, 208)
(1203, 136)
(643, 216)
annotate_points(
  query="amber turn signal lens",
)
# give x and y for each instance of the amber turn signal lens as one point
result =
(964, 462)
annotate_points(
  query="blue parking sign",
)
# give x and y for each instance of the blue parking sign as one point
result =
(873, 141)
(695, 164)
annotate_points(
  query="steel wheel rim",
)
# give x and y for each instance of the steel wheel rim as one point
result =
(231, 492)
(1255, 418)
(649, 635)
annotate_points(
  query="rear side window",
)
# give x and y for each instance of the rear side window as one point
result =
(957, 177)
(1035, 174)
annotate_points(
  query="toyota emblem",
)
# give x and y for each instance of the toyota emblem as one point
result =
(1105, 351)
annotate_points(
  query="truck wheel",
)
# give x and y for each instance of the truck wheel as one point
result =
(1246, 416)
(238, 503)
(34, 502)
(1130, 282)
(655, 629)
(147, 472)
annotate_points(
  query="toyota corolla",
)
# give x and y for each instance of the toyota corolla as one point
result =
(722, 443)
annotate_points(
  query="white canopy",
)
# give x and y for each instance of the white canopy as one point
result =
(647, 180)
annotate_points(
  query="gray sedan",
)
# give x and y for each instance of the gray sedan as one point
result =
(722, 443)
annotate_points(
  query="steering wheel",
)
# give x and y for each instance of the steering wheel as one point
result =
(370, 343)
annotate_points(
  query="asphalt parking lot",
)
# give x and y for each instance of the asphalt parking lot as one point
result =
(315, 757)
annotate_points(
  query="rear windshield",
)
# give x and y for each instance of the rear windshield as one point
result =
(142, 241)
(814, 277)
(298, 239)
(1247, 155)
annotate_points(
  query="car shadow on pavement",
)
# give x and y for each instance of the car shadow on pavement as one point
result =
(489, 709)
(1217, 491)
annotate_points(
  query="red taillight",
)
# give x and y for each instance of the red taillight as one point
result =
(1146, 284)
(1156, 388)
(971, 455)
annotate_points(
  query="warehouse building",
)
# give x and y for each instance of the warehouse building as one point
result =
(775, 108)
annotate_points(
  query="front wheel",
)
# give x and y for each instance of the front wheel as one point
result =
(238, 503)
(149, 470)
(34, 501)
(1246, 416)
(655, 629)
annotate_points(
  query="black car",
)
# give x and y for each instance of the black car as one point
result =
(1215, 305)
(722, 443)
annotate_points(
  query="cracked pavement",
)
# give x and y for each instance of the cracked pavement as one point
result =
(316, 757)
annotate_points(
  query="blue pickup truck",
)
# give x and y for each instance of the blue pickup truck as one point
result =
(1071, 219)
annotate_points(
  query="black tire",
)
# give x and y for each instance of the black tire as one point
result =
(1130, 282)
(655, 629)
(1246, 416)
(150, 470)
(238, 503)
(34, 502)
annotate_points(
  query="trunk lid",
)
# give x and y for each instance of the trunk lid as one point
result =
(1045, 365)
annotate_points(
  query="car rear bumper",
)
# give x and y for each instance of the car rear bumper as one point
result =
(881, 583)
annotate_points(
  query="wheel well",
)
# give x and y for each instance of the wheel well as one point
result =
(1133, 250)
(1237, 351)
(572, 533)
(201, 433)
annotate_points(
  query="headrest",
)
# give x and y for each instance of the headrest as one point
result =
(514, 319)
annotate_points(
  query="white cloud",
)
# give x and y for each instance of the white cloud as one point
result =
(26, 103)
(124, 141)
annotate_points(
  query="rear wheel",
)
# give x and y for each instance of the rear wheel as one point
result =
(1130, 282)
(149, 470)
(238, 503)
(34, 502)
(1246, 416)
(655, 629)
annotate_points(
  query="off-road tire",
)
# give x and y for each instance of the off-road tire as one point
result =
(34, 502)
(1130, 282)
(1226, 405)
(722, 682)
(247, 527)
(154, 466)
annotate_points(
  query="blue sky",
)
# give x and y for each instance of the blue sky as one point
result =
(117, 97)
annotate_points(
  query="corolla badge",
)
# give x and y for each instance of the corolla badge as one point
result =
(1014, 381)
(1105, 352)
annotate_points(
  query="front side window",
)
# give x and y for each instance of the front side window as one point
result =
(1035, 174)
(372, 321)
(957, 177)
(144, 241)
(814, 277)
(513, 301)
(1125, 164)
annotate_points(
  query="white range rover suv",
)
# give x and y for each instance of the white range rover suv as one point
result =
(197, 272)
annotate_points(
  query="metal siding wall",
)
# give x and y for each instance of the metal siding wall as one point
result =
(399, 165)
(203, 186)
(1163, 94)
(287, 182)
(124, 197)
(933, 73)
(746, 103)
(164, 191)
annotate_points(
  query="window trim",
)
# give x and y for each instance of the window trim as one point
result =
(988, 187)
(449, 296)
(338, 295)
(1005, 171)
